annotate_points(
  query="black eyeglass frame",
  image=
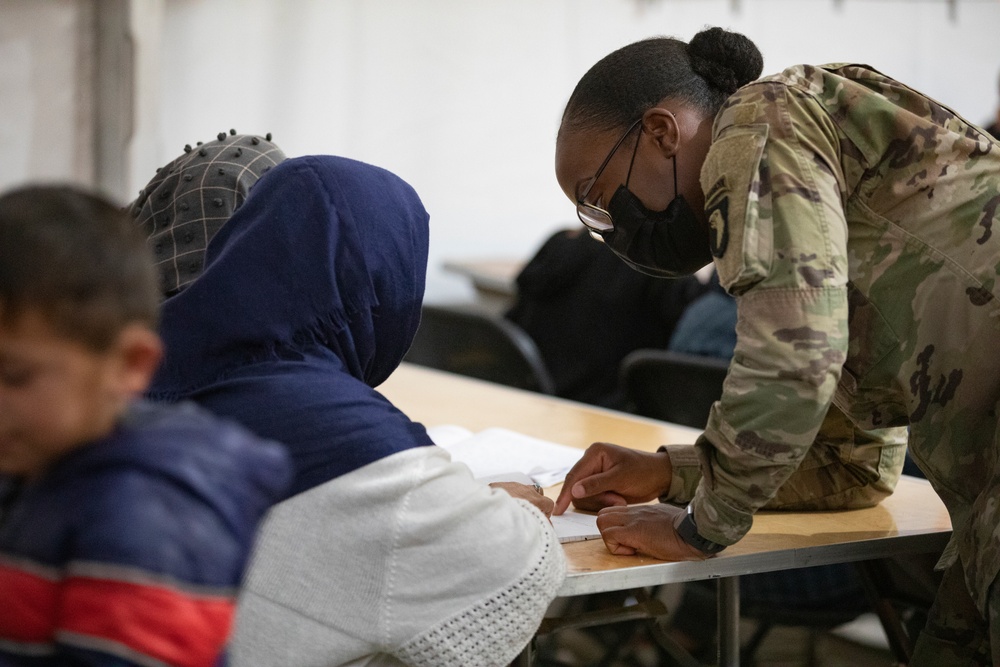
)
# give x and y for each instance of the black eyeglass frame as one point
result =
(594, 217)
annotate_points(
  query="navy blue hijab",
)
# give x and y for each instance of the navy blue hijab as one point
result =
(310, 297)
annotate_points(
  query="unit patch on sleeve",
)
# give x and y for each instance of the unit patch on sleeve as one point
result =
(717, 209)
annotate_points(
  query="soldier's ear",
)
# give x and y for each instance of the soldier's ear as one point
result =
(661, 126)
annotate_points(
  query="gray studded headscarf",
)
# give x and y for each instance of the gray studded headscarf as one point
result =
(190, 198)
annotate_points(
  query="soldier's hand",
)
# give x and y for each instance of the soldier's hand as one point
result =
(647, 529)
(608, 475)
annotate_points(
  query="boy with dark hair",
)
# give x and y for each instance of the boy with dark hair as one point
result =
(124, 526)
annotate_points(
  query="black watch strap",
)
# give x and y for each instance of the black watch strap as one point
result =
(688, 531)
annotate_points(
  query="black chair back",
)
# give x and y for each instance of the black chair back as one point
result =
(678, 388)
(478, 344)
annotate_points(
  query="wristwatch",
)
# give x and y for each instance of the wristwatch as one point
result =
(688, 531)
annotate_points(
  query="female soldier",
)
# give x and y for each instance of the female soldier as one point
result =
(852, 218)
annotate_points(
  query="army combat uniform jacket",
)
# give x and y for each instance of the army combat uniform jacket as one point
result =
(853, 218)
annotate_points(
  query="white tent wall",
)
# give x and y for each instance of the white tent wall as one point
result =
(461, 98)
(45, 101)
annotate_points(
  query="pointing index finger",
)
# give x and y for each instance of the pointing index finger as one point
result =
(591, 463)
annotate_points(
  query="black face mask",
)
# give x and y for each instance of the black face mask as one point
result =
(663, 244)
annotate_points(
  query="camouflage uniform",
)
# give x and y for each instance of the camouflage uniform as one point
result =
(852, 219)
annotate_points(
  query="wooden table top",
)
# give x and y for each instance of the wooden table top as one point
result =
(912, 520)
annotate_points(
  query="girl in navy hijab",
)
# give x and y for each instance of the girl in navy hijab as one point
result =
(385, 553)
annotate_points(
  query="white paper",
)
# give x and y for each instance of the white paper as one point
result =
(518, 477)
(570, 526)
(502, 455)
(448, 434)
(499, 451)
(573, 526)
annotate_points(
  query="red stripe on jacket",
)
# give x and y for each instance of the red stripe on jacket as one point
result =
(161, 622)
(30, 604)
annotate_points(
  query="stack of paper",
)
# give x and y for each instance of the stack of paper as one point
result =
(499, 451)
(574, 526)
(501, 455)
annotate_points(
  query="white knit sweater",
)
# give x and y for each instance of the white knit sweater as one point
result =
(407, 560)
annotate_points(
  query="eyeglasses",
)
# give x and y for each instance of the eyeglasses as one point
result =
(594, 217)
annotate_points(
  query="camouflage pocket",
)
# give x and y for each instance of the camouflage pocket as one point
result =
(730, 179)
(866, 391)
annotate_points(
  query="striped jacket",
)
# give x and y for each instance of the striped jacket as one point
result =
(130, 550)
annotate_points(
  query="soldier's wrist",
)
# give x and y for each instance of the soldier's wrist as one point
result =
(664, 471)
(687, 529)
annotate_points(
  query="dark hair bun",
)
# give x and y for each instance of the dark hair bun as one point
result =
(726, 60)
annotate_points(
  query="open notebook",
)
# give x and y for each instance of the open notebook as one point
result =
(502, 455)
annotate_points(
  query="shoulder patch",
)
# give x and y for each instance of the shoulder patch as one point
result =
(717, 210)
(730, 179)
(744, 114)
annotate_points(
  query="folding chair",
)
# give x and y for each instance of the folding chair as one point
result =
(478, 344)
(677, 388)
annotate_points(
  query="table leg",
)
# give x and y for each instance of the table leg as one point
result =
(527, 655)
(729, 621)
(878, 587)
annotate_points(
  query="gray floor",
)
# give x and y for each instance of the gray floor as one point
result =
(861, 643)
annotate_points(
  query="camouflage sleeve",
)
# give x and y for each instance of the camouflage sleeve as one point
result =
(774, 197)
(845, 468)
